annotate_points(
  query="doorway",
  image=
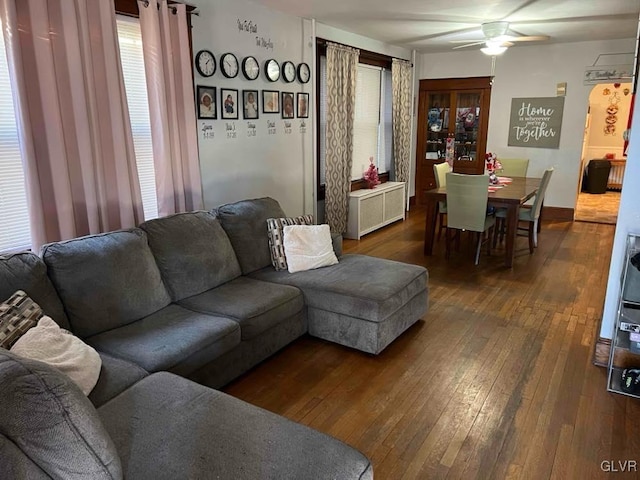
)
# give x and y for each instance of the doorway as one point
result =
(607, 117)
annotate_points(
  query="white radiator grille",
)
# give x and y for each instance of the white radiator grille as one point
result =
(616, 175)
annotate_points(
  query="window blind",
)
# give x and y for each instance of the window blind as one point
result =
(367, 119)
(15, 233)
(135, 82)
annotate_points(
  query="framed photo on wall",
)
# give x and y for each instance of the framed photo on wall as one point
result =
(288, 106)
(250, 104)
(229, 103)
(206, 97)
(303, 105)
(270, 101)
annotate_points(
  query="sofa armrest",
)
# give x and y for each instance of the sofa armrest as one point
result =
(336, 239)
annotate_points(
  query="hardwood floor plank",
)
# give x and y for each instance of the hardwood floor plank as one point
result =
(495, 382)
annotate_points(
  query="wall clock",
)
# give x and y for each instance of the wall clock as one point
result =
(288, 72)
(272, 70)
(205, 63)
(250, 68)
(229, 65)
(304, 73)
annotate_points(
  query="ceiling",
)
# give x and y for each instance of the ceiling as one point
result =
(429, 25)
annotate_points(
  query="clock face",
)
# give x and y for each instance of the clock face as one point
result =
(205, 63)
(288, 72)
(272, 70)
(304, 73)
(229, 65)
(250, 68)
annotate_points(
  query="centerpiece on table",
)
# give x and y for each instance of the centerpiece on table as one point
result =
(371, 175)
(493, 164)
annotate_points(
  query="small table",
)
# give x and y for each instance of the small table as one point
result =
(511, 197)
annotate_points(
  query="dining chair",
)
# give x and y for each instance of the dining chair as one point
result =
(467, 197)
(529, 214)
(514, 167)
(440, 171)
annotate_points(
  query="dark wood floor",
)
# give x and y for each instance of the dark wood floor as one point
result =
(495, 382)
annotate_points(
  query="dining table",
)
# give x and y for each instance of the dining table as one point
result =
(510, 196)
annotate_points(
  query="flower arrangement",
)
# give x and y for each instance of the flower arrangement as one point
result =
(492, 162)
(371, 175)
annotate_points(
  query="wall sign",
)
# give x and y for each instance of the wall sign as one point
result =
(536, 122)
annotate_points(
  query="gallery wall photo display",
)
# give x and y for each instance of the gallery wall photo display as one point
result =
(229, 103)
(303, 105)
(288, 105)
(250, 104)
(270, 101)
(206, 97)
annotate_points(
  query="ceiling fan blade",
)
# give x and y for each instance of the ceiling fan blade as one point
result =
(479, 40)
(468, 45)
(530, 38)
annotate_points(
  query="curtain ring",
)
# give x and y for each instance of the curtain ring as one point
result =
(146, 3)
(174, 10)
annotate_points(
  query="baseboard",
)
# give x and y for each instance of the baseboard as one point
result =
(601, 352)
(558, 214)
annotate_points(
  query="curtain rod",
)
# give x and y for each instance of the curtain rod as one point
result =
(174, 9)
(323, 42)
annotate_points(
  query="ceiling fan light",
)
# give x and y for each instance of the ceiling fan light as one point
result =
(493, 50)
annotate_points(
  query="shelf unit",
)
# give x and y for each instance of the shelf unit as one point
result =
(623, 354)
(371, 209)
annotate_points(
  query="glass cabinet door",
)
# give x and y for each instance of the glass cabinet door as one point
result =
(438, 124)
(467, 123)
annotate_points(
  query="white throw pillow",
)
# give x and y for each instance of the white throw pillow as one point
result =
(49, 343)
(307, 247)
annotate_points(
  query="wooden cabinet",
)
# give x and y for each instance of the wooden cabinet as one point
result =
(456, 108)
(370, 209)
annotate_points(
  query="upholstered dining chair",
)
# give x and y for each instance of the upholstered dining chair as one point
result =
(531, 214)
(440, 171)
(467, 197)
(514, 167)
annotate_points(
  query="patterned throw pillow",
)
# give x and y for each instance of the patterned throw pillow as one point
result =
(17, 315)
(276, 243)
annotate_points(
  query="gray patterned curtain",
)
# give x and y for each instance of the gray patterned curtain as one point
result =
(342, 69)
(401, 73)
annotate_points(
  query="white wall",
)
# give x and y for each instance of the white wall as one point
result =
(280, 165)
(534, 71)
(628, 222)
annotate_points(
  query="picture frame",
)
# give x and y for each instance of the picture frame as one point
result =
(229, 103)
(250, 104)
(206, 102)
(302, 110)
(288, 105)
(270, 101)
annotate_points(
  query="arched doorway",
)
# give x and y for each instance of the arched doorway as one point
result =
(607, 116)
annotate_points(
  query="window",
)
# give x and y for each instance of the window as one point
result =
(373, 135)
(135, 83)
(14, 221)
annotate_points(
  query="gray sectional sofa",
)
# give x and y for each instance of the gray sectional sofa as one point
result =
(188, 297)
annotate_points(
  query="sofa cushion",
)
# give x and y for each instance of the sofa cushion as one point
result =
(174, 339)
(246, 224)
(214, 435)
(107, 280)
(192, 251)
(358, 286)
(47, 417)
(116, 375)
(26, 271)
(256, 306)
(308, 247)
(18, 315)
(14, 463)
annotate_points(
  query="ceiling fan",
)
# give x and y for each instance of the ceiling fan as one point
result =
(496, 38)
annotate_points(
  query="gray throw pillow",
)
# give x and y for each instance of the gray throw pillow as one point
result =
(47, 417)
(17, 315)
(275, 228)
